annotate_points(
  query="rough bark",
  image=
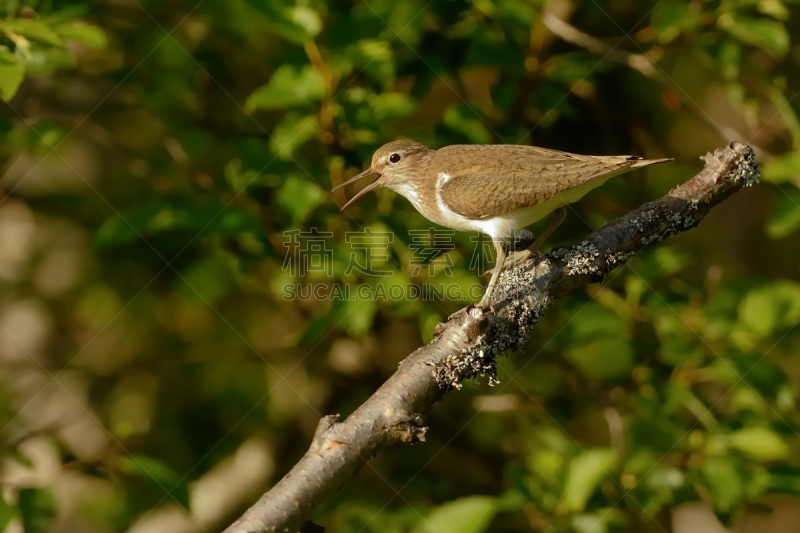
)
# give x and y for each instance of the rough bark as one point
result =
(468, 345)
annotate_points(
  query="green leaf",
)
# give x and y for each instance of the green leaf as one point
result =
(595, 322)
(159, 217)
(757, 481)
(374, 109)
(38, 509)
(32, 29)
(156, 471)
(785, 218)
(545, 378)
(729, 58)
(769, 35)
(785, 479)
(767, 308)
(294, 131)
(774, 8)
(678, 344)
(237, 177)
(573, 66)
(7, 513)
(391, 106)
(299, 196)
(546, 464)
(373, 57)
(207, 280)
(724, 483)
(472, 514)
(786, 113)
(783, 168)
(12, 71)
(599, 522)
(306, 19)
(486, 48)
(759, 443)
(356, 316)
(670, 261)
(297, 24)
(747, 399)
(603, 358)
(517, 12)
(83, 33)
(289, 86)
(664, 477)
(671, 18)
(465, 120)
(584, 475)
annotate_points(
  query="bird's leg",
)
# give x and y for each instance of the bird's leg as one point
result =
(485, 302)
(498, 267)
(518, 257)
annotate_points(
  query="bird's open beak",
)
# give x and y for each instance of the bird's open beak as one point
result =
(363, 191)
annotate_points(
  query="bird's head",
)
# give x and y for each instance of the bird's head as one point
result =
(395, 162)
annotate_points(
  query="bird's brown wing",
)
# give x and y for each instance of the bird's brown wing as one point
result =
(509, 177)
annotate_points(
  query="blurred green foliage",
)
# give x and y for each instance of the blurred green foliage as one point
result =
(157, 158)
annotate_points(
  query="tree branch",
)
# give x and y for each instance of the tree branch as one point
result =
(573, 35)
(467, 346)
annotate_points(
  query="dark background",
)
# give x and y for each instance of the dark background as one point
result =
(156, 153)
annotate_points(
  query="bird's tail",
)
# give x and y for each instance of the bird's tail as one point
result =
(642, 162)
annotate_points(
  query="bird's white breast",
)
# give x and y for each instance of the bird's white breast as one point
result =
(497, 227)
(448, 217)
(411, 194)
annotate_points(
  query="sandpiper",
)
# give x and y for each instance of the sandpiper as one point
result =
(496, 189)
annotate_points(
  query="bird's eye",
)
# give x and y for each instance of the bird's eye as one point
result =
(394, 158)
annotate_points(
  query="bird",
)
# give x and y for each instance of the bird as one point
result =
(493, 189)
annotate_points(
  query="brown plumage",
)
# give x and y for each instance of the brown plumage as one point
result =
(526, 175)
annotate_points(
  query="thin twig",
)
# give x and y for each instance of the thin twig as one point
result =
(645, 65)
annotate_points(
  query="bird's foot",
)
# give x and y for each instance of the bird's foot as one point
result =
(484, 306)
(474, 309)
(517, 258)
(485, 303)
(458, 313)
